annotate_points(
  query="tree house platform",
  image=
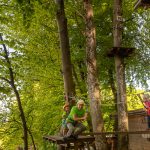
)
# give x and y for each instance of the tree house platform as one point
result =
(120, 51)
(142, 3)
(80, 143)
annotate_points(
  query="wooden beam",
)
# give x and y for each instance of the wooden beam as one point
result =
(117, 132)
(70, 143)
(120, 51)
(60, 140)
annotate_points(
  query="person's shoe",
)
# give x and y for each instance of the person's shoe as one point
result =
(66, 138)
(71, 136)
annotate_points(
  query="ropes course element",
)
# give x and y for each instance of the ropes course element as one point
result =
(117, 132)
(104, 104)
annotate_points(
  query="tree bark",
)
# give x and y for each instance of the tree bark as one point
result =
(69, 85)
(12, 83)
(120, 77)
(114, 91)
(92, 79)
(33, 143)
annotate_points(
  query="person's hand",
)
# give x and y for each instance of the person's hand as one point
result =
(85, 117)
(82, 119)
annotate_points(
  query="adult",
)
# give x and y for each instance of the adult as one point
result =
(75, 120)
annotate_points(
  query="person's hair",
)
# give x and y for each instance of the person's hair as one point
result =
(66, 105)
(80, 102)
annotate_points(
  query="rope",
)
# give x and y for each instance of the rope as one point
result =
(106, 104)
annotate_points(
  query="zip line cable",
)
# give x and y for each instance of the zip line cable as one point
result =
(113, 104)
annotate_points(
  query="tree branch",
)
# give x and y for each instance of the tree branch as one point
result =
(8, 81)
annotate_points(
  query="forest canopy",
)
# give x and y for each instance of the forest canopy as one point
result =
(30, 51)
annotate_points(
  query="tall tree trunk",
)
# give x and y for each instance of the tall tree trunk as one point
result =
(69, 85)
(114, 91)
(12, 83)
(92, 79)
(120, 77)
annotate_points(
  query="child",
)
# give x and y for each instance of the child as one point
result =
(66, 109)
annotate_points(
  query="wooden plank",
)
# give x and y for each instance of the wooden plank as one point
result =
(88, 137)
(59, 139)
(116, 132)
(55, 139)
(71, 143)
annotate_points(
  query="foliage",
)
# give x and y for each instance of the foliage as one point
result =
(31, 34)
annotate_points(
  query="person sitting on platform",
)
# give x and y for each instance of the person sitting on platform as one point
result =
(65, 114)
(74, 121)
(146, 102)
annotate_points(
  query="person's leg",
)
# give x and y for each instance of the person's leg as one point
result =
(79, 128)
(65, 131)
(71, 128)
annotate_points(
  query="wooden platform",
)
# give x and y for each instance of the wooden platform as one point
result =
(120, 51)
(79, 144)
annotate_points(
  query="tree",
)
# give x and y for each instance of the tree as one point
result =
(65, 50)
(92, 78)
(34, 34)
(120, 78)
(11, 81)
